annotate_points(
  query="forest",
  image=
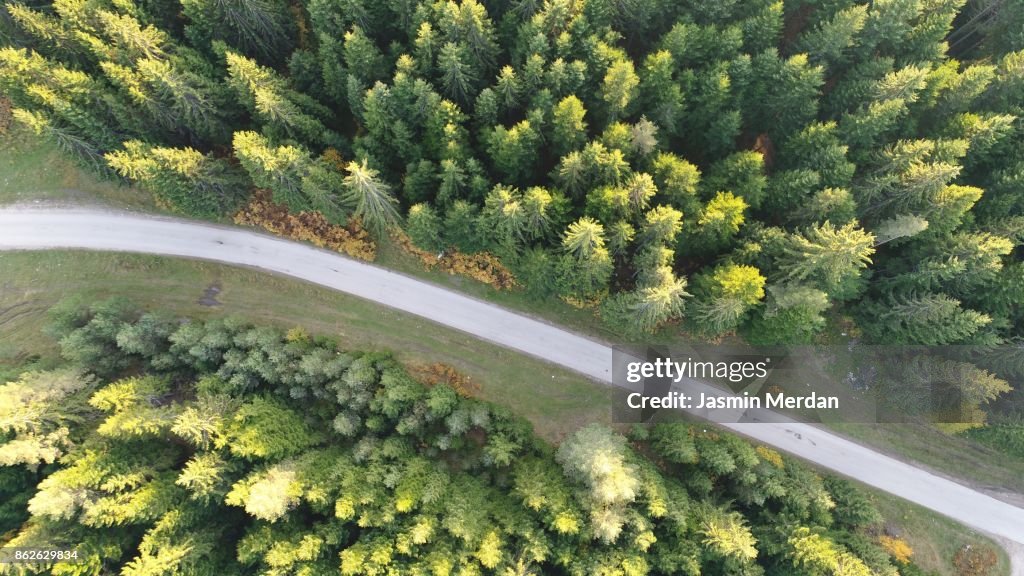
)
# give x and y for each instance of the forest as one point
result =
(781, 171)
(771, 169)
(737, 166)
(220, 447)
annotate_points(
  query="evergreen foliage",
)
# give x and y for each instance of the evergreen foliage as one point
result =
(869, 152)
(229, 448)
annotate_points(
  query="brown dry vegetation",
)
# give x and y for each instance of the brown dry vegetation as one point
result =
(311, 227)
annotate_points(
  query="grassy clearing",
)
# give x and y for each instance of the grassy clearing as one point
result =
(555, 400)
(934, 538)
(31, 169)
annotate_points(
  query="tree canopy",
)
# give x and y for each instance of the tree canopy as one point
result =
(223, 447)
(611, 154)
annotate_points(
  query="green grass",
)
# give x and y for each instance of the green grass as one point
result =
(934, 538)
(31, 170)
(982, 466)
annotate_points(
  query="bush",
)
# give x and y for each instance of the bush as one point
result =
(481, 266)
(312, 227)
(974, 560)
(1006, 437)
(897, 548)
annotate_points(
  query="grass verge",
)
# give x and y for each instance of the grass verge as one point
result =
(32, 170)
(945, 454)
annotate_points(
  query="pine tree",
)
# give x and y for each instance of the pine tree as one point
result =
(51, 37)
(649, 307)
(643, 137)
(514, 150)
(660, 93)
(818, 147)
(586, 267)
(504, 216)
(259, 28)
(267, 495)
(678, 181)
(724, 296)
(467, 23)
(36, 413)
(830, 41)
(793, 315)
(264, 429)
(285, 112)
(66, 139)
(457, 76)
(369, 197)
(786, 92)
(129, 41)
(619, 88)
(296, 178)
(661, 225)
(726, 535)
(542, 212)
(568, 127)
(902, 226)
(829, 256)
(819, 555)
(597, 458)
(138, 408)
(742, 174)
(362, 57)
(190, 98)
(508, 89)
(424, 227)
(189, 180)
(718, 223)
(930, 319)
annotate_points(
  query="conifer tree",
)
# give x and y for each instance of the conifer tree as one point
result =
(568, 127)
(291, 173)
(284, 112)
(619, 88)
(724, 296)
(930, 319)
(585, 268)
(369, 197)
(259, 28)
(793, 315)
(829, 256)
(190, 181)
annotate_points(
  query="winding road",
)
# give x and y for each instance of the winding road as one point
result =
(30, 228)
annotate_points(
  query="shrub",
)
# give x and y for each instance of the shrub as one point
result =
(312, 227)
(481, 266)
(974, 560)
(440, 373)
(897, 548)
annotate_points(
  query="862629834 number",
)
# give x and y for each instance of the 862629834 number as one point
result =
(30, 555)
